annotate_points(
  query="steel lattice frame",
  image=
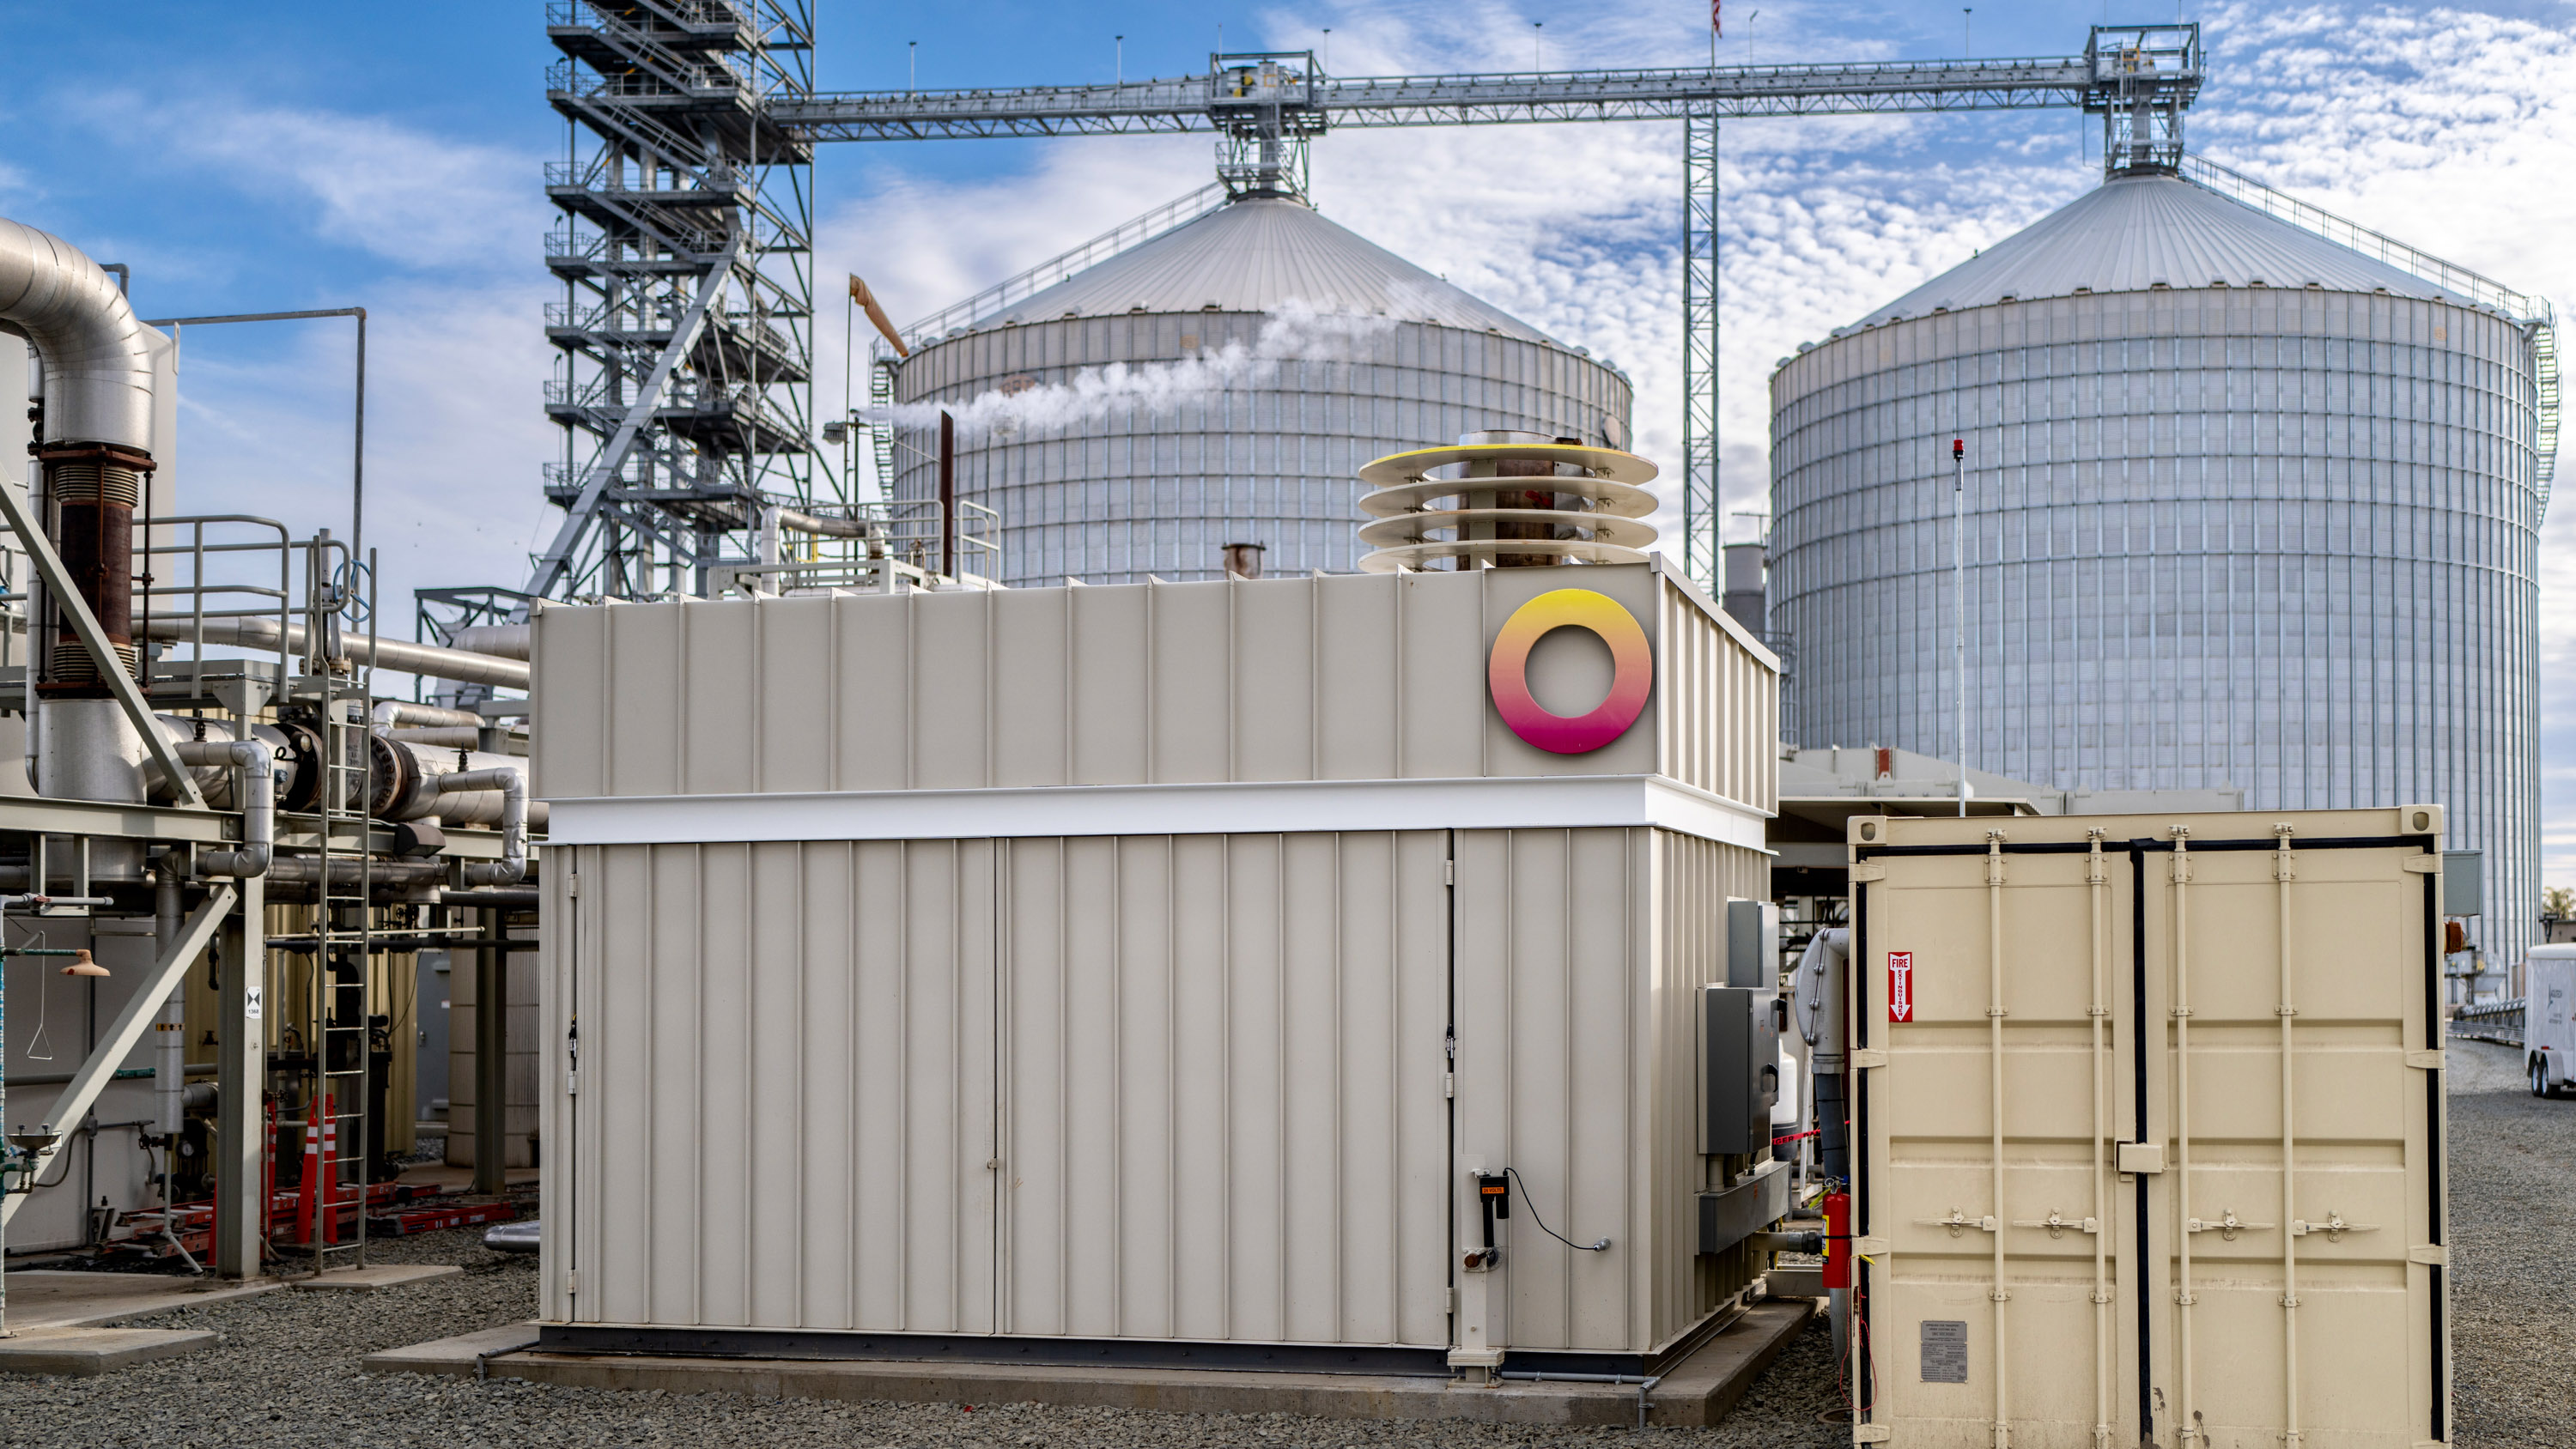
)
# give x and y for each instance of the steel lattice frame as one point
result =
(685, 379)
(1699, 347)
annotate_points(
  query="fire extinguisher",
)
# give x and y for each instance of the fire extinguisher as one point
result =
(1838, 1240)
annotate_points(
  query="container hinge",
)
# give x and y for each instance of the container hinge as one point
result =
(2423, 864)
(1453, 1300)
(572, 885)
(2434, 1253)
(1866, 1247)
(1448, 872)
(572, 1280)
(1868, 870)
(572, 1084)
(1449, 1085)
(1868, 1057)
(2431, 1061)
(1871, 1433)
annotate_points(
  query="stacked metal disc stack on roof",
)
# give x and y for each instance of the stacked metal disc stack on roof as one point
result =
(1500, 499)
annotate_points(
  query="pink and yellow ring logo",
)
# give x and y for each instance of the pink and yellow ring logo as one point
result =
(1633, 671)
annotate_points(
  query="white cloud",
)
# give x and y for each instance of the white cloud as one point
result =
(410, 196)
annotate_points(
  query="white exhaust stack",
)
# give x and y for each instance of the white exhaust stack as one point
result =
(95, 448)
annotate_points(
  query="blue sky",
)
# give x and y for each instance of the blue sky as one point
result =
(290, 155)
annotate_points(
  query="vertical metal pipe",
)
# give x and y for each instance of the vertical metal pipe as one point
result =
(2284, 870)
(1959, 600)
(491, 1056)
(170, 1029)
(1995, 1085)
(2096, 887)
(2188, 1415)
(241, 1071)
(947, 495)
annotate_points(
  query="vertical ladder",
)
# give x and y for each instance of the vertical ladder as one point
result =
(343, 962)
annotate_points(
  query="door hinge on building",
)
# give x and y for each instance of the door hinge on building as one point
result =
(572, 885)
(1449, 872)
(1449, 1085)
(572, 1281)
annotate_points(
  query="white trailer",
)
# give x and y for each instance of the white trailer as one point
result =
(2548, 1042)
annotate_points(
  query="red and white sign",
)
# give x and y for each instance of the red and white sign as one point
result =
(1900, 986)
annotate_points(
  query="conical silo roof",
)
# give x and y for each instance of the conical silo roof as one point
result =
(2133, 232)
(1257, 255)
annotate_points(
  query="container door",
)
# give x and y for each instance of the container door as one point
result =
(2150, 1137)
(2295, 1221)
(2003, 1016)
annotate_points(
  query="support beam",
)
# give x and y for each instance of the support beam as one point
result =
(241, 1075)
(58, 580)
(491, 1059)
(127, 1029)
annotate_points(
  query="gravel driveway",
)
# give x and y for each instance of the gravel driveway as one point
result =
(286, 1372)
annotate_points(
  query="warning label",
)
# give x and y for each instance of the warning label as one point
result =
(1945, 1351)
(1900, 986)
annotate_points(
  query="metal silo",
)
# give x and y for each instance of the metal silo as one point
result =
(2245, 507)
(1222, 384)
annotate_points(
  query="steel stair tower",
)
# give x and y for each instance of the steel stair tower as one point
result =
(684, 373)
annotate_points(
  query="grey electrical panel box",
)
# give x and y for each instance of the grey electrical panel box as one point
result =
(1753, 944)
(1739, 1068)
(2463, 882)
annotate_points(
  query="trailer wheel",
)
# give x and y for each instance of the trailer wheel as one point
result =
(2539, 1075)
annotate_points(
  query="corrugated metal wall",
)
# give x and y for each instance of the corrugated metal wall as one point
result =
(2277, 539)
(1349, 677)
(1205, 1072)
(1271, 457)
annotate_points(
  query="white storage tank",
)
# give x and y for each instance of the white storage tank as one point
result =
(1142, 973)
(1222, 384)
(2246, 509)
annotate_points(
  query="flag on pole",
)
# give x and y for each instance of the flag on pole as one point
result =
(1714, 24)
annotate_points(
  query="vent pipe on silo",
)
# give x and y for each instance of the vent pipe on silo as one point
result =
(95, 445)
(1455, 504)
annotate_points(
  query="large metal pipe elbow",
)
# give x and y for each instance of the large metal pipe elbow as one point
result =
(97, 354)
(513, 864)
(258, 800)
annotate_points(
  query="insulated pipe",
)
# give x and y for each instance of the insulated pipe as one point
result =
(170, 1029)
(408, 658)
(513, 864)
(510, 641)
(438, 737)
(393, 712)
(258, 803)
(798, 521)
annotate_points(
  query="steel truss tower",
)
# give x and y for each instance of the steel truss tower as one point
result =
(1699, 346)
(685, 377)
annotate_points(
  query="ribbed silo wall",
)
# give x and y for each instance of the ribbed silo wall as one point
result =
(1267, 458)
(2279, 539)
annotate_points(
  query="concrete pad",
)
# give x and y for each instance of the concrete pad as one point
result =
(1699, 1391)
(368, 1280)
(1705, 1387)
(451, 1355)
(54, 1298)
(85, 1351)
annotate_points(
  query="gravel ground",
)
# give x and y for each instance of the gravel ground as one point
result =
(286, 1371)
(2513, 1254)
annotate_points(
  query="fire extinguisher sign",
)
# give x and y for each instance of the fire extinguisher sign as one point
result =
(1900, 986)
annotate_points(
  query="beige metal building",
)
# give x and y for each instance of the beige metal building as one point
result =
(2151, 1121)
(1138, 972)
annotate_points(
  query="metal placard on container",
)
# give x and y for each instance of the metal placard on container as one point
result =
(1945, 1350)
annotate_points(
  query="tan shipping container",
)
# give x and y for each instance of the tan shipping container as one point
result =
(1135, 972)
(2151, 1122)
